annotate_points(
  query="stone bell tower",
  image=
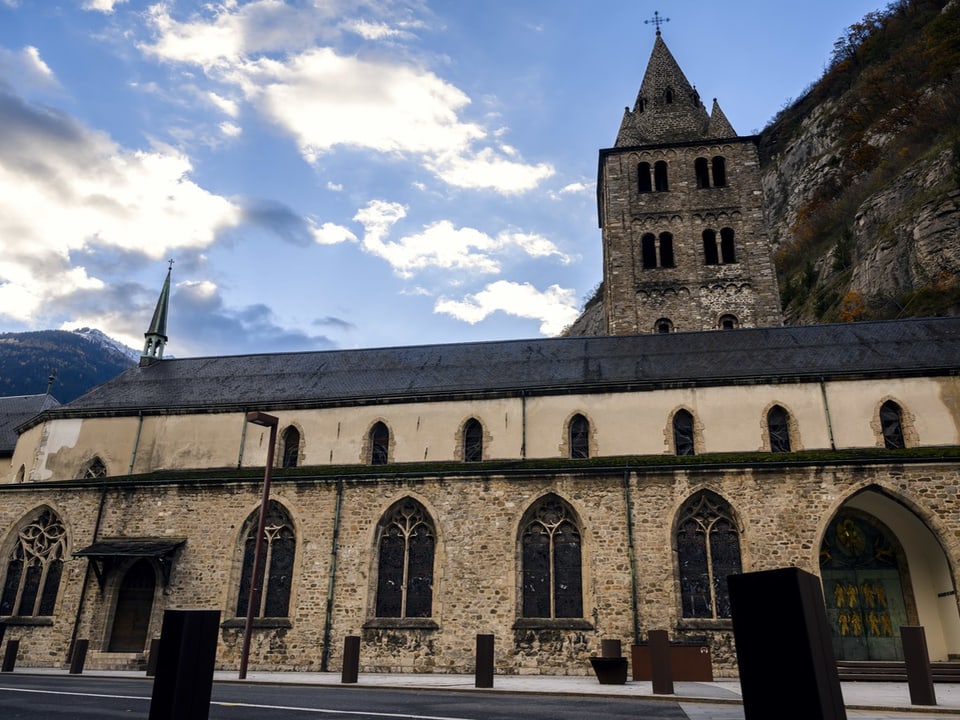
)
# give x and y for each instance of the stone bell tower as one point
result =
(680, 205)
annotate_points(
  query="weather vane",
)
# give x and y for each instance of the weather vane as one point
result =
(657, 21)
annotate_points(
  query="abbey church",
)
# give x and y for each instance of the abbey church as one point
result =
(550, 492)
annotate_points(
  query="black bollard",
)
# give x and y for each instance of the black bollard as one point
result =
(188, 653)
(484, 670)
(351, 659)
(79, 656)
(917, 661)
(661, 672)
(10, 656)
(153, 657)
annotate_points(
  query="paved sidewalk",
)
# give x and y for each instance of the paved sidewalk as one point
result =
(719, 700)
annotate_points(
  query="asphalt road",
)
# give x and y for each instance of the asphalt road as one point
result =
(92, 698)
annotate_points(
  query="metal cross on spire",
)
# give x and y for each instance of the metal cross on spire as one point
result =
(171, 261)
(656, 20)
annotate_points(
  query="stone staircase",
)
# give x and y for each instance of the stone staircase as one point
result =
(115, 661)
(892, 671)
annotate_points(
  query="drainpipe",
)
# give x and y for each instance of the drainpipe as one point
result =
(243, 440)
(86, 579)
(632, 557)
(136, 443)
(331, 582)
(826, 412)
(523, 425)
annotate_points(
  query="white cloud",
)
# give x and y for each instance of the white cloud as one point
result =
(26, 69)
(576, 188)
(230, 129)
(104, 6)
(225, 105)
(554, 307)
(332, 234)
(374, 31)
(334, 187)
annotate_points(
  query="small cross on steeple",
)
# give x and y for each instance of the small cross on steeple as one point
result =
(656, 20)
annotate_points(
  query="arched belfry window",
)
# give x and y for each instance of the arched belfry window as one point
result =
(472, 441)
(666, 250)
(727, 250)
(711, 255)
(668, 96)
(34, 566)
(891, 424)
(379, 444)
(708, 550)
(644, 181)
(405, 550)
(719, 171)
(95, 469)
(551, 561)
(579, 436)
(683, 433)
(778, 428)
(660, 176)
(663, 326)
(291, 448)
(702, 170)
(728, 322)
(276, 563)
(648, 250)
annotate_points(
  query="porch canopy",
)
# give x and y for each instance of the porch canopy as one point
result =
(106, 553)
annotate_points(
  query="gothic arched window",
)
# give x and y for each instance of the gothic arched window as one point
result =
(291, 447)
(276, 563)
(579, 436)
(648, 249)
(702, 172)
(708, 550)
(719, 171)
(683, 439)
(778, 428)
(551, 561)
(666, 250)
(891, 423)
(660, 176)
(379, 444)
(405, 551)
(95, 469)
(472, 441)
(644, 183)
(727, 251)
(34, 567)
(710, 254)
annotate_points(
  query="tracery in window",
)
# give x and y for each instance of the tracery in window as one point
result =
(708, 550)
(660, 176)
(34, 567)
(551, 561)
(683, 429)
(778, 428)
(276, 563)
(405, 553)
(472, 441)
(291, 447)
(379, 444)
(579, 431)
(719, 171)
(891, 424)
(95, 469)
(644, 183)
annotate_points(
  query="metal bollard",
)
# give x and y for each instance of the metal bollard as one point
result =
(351, 659)
(10, 656)
(153, 657)
(79, 656)
(660, 671)
(484, 669)
(917, 661)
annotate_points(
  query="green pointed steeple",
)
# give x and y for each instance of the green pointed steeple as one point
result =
(156, 334)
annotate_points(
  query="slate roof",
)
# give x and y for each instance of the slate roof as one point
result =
(555, 365)
(16, 410)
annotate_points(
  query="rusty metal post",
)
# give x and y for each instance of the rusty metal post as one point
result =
(351, 659)
(917, 661)
(611, 648)
(79, 656)
(484, 669)
(10, 656)
(660, 671)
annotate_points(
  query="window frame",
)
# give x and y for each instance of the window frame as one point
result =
(275, 589)
(406, 516)
(553, 593)
(45, 528)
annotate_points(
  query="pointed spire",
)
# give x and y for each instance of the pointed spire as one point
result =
(156, 334)
(720, 127)
(668, 107)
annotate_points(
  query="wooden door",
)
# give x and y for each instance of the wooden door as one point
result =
(131, 621)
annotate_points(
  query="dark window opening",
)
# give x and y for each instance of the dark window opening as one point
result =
(579, 437)
(379, 444)
(276, 563)
(668, 96)
(683, 442)
(405, 562)
(551, 557)
(648, 249)
(702, 172)
(473, 441)
(96, 469)
(641, 104)
(728, 322)
(891, 422)
(727, 251)
(666, 250)
(778, 427)
(643, 178)
(291, 447)
(663, 325)
(710, 254)
(719, 171)
(34, 568)
(660, 176)
(708, 551)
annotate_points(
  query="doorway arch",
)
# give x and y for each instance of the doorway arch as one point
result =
(882, 567)
(131, 618)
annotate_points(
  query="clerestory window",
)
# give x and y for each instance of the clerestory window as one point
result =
(778, 428)
(472, 441)
(891, 423)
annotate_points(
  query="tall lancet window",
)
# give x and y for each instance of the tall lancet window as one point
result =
(276, 563)
(551, 561)
(405, 554)
(708, 550)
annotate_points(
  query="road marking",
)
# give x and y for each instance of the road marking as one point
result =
(318, 711)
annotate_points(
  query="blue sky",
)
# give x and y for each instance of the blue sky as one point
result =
(342, 173)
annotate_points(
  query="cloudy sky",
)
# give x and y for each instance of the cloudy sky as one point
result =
(342, 173)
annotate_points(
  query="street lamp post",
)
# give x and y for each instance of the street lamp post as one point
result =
(253, 600)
